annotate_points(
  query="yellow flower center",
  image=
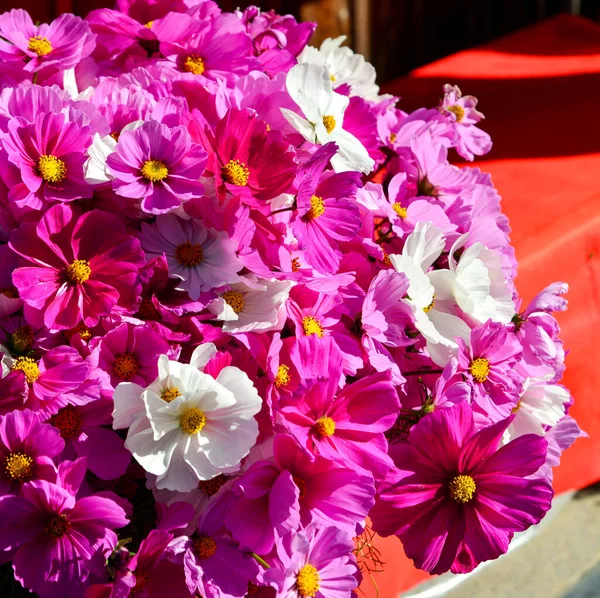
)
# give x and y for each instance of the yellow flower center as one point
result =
(312, 326)
(194, 64)
(283, 376)
(126, 366)
(189, 255)
(516, 408)
(325, 427)
(296, 264)
(148, 25)
(192, 420)
(211, 487)
(17, 466)
(51, 169)
(115, 135)
(29, 367)
(301, 486)
(308, 581)
(480, 369)
(462, 488)
(68, 421)
(79, 271)
(154, 170)
(332, 77)
(234, 299)
(393, 137)
(397, 207)
(429, 307)
(236, 173)
(82, 330)
(170, 394)
(22, 338)
(317, 208)
(57, 526)
(329, 123)
(458, 111)
(40, 45)
(204, 547)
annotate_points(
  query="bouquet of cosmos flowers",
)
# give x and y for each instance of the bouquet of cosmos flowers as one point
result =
(251, 316)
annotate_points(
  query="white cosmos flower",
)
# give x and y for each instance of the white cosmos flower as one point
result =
(310, 87)
(255, 304)
(477, 283)
(95, 170)
(435, 319)
(344, 66)
(540, 405)
(194, 426)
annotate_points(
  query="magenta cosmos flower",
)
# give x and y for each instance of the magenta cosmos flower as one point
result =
(129, 353)
(56, 538)
(157, 165)
(78, 273)
(348, 428)
(46, 160)
(27, 450)
(58, 378)
(274, 498)
(456, 499)
(327, 213)
(316, 562)
(62, 44)
(251, 161)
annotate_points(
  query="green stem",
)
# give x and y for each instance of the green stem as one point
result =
(260, 560)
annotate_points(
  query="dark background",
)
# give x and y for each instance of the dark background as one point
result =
(405, 33)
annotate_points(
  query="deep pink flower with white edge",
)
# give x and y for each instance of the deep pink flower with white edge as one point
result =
(201, 258)
(27, 450)
(82, 428)
(46, 160)
(348, 428)
(488, 362)
(61, 44)
(317, 561)
(76, 272)
(128, 353)
(56, 539)
(462, 112)
(157, 165)
(456, 499)
(327, 214)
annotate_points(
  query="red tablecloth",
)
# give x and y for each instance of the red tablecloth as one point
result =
(540, 92)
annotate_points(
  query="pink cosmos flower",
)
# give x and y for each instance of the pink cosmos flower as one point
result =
(44, 386)
(62, 44)
(348, 428)
(81, 426)
(46, 160)
(317, 561)
(10, 301)
(456, 499)
(201, 258)
(250, 161)
(159, 165)
(77, 272)
(55, 538)
(27, 450)
(219, 50)
(129, 353)
(327, 214)
(488, 363)
(463, 114)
